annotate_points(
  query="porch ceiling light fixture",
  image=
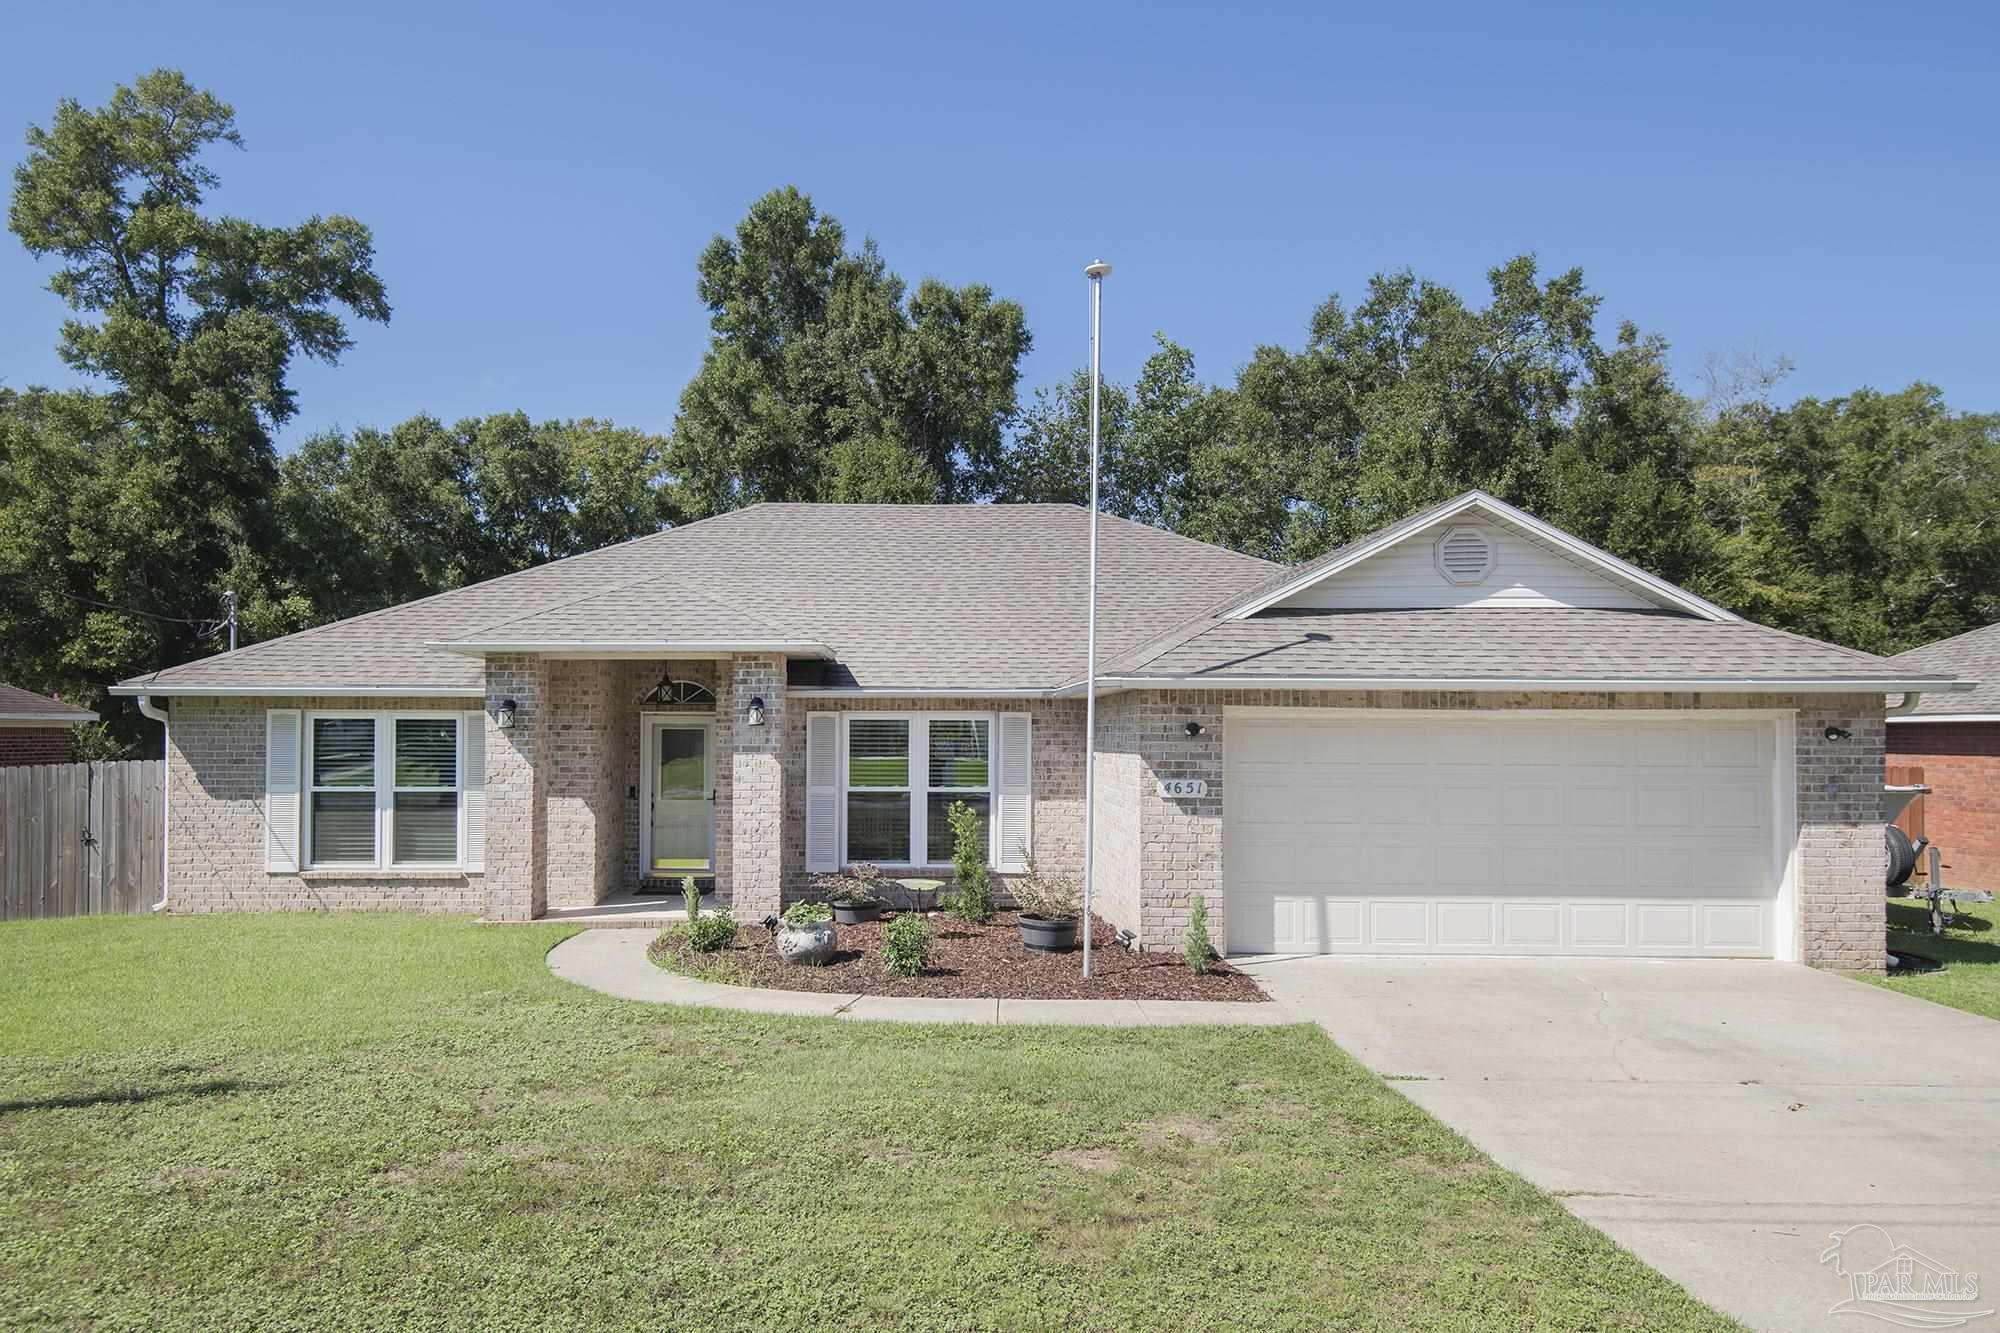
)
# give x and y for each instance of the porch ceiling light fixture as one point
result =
(503, 716)
(755, 716)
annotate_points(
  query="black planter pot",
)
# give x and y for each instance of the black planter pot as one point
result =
(1050, 934)
(853, 914)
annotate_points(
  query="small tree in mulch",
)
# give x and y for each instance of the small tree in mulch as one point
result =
(972, 897)
(1196, 947)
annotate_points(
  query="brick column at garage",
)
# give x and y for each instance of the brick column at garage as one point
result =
(1842, 861)
(517, 789)
(757, 786)
(1180, 838)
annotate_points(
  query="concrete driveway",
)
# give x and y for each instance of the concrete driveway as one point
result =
(1719, 1119)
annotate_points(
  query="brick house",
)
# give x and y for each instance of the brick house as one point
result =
(1467, 733)
(1955, 739)
(35, 729)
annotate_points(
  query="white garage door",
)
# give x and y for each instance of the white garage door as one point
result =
(1524, 833)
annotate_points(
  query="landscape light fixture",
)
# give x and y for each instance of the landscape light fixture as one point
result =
(503, 716)
(755, 717)
(1096, 272)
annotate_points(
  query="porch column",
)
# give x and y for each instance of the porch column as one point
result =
(757, 786)
(583, 812)
(517, 851)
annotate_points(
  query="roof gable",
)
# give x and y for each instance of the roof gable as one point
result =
(1974, 655)
(1530, 564)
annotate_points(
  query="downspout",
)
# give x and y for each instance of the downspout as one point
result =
(1911, 698)
(147, 708)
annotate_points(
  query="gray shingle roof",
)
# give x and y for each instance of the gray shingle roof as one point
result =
(1516, 644)
(19, 705)
(1974, 655)
(906, 596)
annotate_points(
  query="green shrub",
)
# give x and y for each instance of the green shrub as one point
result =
(708, 934)
(1195, 944)
(860, 885)
(906, 945)
(972, 898)
(690, 897)
(1047, 895)
(807, 914)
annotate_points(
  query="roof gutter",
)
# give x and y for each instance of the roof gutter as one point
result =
(1495, 684)
(147, 708)
(1946, 717)
(904, 692)
(326, 691)
(1911, 698)
(45, 719)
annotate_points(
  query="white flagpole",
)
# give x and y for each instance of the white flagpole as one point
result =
(1096, 273)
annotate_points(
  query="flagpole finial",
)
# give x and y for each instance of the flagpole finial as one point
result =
(1098, 270)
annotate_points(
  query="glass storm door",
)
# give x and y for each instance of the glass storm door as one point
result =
(683, 804)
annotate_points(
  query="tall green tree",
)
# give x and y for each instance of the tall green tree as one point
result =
(376, 517)
(826, 380)
(148, 501)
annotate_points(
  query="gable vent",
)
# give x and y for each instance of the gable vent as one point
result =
(1465, 555)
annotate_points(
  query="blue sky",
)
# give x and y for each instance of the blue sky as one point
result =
(1817, 181)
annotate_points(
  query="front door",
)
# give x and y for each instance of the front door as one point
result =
(683, 799)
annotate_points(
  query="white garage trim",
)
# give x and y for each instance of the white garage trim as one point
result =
(1485, 918)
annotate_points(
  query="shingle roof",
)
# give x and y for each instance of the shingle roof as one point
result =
(906, 596)
(1471, 643)
(1974, 655)
(19, 705)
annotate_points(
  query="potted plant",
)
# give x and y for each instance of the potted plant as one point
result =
(856, 895)
(806, 935)
(1048, 910)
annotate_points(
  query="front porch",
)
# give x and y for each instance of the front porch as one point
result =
(616, 777)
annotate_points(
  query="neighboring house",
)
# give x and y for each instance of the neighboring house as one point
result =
(1956, 739)
(1467, 733)
(35, 729)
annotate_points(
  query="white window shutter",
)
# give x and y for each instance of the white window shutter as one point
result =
(282, 752)
(1012, 793)
(822, 791)
(472, 788)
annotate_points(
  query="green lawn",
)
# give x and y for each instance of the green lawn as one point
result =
(1970, 953)
(385, 1122)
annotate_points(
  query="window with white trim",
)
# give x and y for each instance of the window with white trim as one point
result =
(383, 789)
(901, 773)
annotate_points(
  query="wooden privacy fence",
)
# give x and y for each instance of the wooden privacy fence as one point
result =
(80, 839)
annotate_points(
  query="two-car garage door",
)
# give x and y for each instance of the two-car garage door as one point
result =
(1524, 833)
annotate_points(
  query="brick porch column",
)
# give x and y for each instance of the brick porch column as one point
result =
(517, 760)
(1842, 919)
(757, 786)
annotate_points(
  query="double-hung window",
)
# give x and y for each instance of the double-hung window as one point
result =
(902, 776)
(384, 789)
(960, 768)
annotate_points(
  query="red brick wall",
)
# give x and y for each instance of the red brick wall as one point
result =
(34, 745)
(1961, 763)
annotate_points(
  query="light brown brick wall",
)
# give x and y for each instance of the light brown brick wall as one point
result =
(215, 821)
(1961, 763)
(1056, 784)
(757, 776)
(1840, 856)
(584, 827)
(517, 789)
(1118, 887)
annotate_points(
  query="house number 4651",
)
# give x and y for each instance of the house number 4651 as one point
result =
(1178, 787)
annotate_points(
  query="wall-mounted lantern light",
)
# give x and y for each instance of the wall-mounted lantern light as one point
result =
(755, 717)
(1193, 729)
(503, 716)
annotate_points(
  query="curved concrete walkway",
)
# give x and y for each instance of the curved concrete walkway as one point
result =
(615, 962)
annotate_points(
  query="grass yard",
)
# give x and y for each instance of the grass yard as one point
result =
(387, 1122)
(1970, 979)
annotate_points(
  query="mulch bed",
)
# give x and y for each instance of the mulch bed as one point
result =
(973, 961)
